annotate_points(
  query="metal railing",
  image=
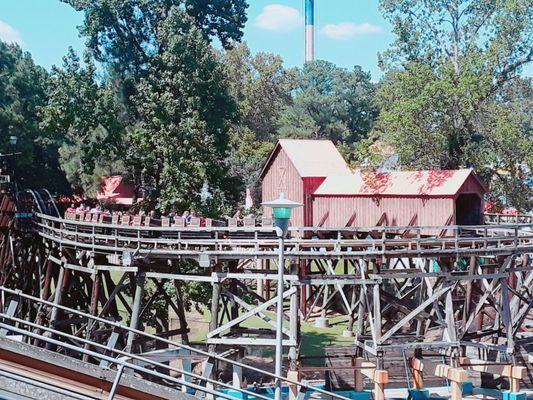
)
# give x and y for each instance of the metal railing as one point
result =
(126, 360)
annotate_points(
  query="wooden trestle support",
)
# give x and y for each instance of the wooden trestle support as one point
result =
(436, 300)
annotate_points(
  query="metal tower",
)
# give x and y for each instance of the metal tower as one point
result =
(309, 30)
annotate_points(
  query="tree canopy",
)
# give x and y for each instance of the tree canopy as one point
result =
(23, 88)
(124, 33)
(330, 103)
(184, 110)
(82, 114)
(447, 100)
(261, 87)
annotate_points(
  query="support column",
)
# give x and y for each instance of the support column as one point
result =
(211, 363)
(95, 295)
(234, 311)
(137, 299)
(349, 332)
(294, 327)
(62, 281)
(181, 313)
(267, 282)
(357, 362)
(304, 289)
(260, 282)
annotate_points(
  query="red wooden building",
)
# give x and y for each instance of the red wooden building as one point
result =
(406, 198)
(298, 168)
(115, 189)
(314, 173)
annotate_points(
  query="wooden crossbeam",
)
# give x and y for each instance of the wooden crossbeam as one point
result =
(507, 370)
(440, 370)
(251, 311)
(414, 313)
(369, 370)
(515, 373)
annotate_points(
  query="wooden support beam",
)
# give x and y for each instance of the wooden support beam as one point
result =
(369, 370)
(440, 370)
(251, 311)
(11, 309)
(111, 344)
(379, 391)
(456, 376)
(357, 362)
(294, 390)
(513, 372)
(206, 373)
(137, 299)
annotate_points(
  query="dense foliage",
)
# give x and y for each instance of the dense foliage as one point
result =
(261, 87)
(152, 99)
(452, 96)
(23, 88)
(184, 113)
(83, 116)
(330, 103)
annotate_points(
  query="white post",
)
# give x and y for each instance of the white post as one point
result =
(279, 317)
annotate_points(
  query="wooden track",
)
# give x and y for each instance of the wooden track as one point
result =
(303, 243)
(398, 288)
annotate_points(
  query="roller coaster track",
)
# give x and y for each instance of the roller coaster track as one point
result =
(464, 291)
(302, 243)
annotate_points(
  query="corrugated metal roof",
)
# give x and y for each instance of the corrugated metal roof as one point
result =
(399, 183)
(312, 158)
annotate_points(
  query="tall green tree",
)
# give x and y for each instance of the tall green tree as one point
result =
(180, 143)
(330, 103)
(82, 113)
(22, 92)
(125, 32)
(124, 35)
(442, 102)
(173, 92)
(261, 87)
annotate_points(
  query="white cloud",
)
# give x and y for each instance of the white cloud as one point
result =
(348, 30)
(9, 34)
(280, 18)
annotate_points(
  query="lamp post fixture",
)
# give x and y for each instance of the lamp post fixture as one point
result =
(13, 140)
(282, 208)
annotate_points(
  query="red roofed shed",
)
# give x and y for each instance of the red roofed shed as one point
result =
(298, 168)
(116, 190)
(417, 198)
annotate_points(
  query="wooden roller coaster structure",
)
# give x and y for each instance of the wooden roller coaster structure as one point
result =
(450, 303)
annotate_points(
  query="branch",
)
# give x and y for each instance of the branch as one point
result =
(432, 29)
(504, 74)
(473, 35)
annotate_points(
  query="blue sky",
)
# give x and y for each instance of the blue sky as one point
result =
(348, 32)
(47, 27)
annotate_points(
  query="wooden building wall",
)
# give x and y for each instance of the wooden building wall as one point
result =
(472, 185)
(341, 211)
(310, 185)
(282, 176)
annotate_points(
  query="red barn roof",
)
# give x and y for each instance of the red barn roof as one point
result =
(398, 183)
(311, 158)
(116, 190)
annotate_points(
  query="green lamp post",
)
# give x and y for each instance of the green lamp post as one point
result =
(282, 209)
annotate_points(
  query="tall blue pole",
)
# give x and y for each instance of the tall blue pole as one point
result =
(309, 30)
